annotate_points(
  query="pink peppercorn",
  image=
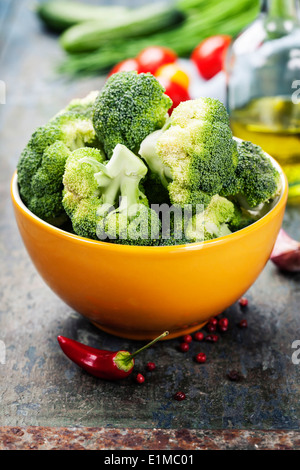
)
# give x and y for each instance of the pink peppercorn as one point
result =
(140, 379)
(179, 396)
(187, 339)
(199, 336)
(212, 338)
(243, 302)
(184, 347)
(201, 358)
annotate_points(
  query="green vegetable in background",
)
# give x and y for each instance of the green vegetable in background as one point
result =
(60, 15)
(91, 35)
(201, 18)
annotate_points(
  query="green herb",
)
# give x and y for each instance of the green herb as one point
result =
(201, 19)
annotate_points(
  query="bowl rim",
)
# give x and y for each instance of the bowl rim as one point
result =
(16, 198)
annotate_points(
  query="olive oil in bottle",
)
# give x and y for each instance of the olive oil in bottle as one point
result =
(263, 84)
(273, 123)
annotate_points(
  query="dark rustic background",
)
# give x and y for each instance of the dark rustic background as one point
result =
(40, 387)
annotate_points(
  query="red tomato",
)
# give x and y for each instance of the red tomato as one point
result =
(209, 55)
(175, 91)
(151, 58)
(126, 66)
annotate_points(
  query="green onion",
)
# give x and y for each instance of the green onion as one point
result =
(202, 19)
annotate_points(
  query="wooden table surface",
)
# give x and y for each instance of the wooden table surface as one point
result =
(45, 400)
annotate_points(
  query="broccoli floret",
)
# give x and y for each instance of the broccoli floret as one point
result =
(141, 228)
(81, 166)
(221, 217)
(129, 107)
(241, 218)
(85, 218)
(173, 241)
(258, 180)
(37, 170)
(132, 222)
(121, 176)
(173, 226)
(201, 109)
(40, 178)
(212, 222)
(105, 201)
(84, 106)
(75, 130)
(81, 192)
(195, 155)
(46, 183)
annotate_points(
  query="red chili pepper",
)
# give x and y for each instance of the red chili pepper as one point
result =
(109, 365)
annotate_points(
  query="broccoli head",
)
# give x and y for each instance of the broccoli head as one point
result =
(80, 169)
(201, 109)
(81, 198)
(84, 165)
(46, 183)
(105, 201)
(141, 227)
(212, 222)
(194, 155)
(258, 180)
(83, 106)
(40, 187)
(129, 107)
(174, 221)
(75, 130)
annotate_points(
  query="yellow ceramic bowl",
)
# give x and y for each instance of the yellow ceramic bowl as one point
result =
(139, 292)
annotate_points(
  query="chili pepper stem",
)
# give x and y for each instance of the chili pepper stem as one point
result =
(129, 358)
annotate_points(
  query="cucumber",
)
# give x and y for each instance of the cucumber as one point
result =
(60, 15)
(143, 21)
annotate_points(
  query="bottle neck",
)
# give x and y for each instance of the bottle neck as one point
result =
(281, 17)
(285, 9)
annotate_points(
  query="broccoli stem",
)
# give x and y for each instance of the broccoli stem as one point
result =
(121, 178)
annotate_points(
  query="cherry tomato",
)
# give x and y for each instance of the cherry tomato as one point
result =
(176, 92)
(151, 58)
(125, 66)
(210, 54)
(175, 74)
